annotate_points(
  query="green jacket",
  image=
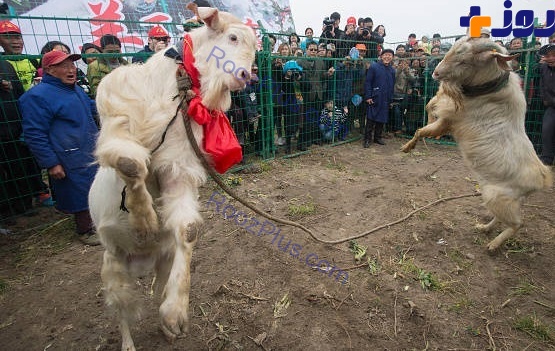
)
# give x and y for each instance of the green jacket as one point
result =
(97, 70)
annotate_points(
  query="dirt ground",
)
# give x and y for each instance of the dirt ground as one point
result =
(426, 283)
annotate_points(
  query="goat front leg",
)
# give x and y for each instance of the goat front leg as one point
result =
(179, 211)
(438, 128)
(116, 148)
(138, 201)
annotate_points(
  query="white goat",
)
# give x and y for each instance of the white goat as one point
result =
(482, 105)
(136, 104)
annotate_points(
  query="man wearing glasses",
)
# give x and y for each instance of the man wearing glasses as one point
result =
(158, 39)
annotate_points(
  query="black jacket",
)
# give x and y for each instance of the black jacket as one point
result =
(547, 85)
(371, 41)
(10, 118)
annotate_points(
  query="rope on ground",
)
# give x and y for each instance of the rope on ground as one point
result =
(186, 96)
(398, 220)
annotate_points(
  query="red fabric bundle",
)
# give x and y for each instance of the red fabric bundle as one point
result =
(219, 141)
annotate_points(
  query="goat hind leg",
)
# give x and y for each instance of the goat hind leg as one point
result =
(120, 295)
(174, 311)
(179, 210)
(506, 210)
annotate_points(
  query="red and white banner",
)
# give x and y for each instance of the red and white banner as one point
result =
(131, 19)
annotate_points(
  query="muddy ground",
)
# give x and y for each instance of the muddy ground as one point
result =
(426, 283)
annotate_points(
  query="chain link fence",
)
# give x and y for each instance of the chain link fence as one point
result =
(299, 99)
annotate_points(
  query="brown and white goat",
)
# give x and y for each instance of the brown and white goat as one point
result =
(136, 104)
(481, 103)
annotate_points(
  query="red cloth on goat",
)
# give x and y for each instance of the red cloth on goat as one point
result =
(219, 139)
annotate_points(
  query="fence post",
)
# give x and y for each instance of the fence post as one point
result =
(266, 122)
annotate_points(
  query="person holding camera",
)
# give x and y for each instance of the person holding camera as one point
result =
(348, 39)
(330, 30)
(369, 37)
(158, 39)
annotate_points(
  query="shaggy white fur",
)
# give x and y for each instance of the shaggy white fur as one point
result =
(136, 104)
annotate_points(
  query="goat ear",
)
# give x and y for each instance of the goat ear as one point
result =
(210, 17)
(503, 60)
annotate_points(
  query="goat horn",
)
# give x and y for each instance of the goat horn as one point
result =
(487, 46)
(194, 8)
(504, 57)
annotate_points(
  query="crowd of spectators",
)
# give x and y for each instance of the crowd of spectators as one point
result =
(333, 66)
(316, 85)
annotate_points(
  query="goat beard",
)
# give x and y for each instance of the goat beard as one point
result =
(454, 92)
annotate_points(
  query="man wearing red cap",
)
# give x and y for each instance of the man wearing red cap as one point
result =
(347, 38)
(158, 39)
(12, 43)
(60, 130)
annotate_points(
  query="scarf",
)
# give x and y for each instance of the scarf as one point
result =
(219, 139)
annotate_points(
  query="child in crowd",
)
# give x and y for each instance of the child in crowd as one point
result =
(333, 122)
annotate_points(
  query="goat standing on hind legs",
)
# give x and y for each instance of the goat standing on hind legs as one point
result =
(148, 166)
(481, 103)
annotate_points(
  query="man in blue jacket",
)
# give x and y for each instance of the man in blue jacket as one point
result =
(378, 92)
(59, 128)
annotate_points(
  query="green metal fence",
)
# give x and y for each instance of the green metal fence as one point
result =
(281, 114)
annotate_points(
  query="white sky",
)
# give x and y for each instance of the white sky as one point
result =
(402, 17)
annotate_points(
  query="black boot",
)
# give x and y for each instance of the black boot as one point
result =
(368, 133)
(378, 129)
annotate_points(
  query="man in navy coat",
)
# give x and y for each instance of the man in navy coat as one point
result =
(378, 92)
(59, 127)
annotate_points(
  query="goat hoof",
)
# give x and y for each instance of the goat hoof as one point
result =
(174, 324)
(493, 246)
(128, 167)
(128, 348)
(482, 227)
(407, 147)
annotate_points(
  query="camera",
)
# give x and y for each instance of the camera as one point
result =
(365, 32)
(329, 24)
(296, 75)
